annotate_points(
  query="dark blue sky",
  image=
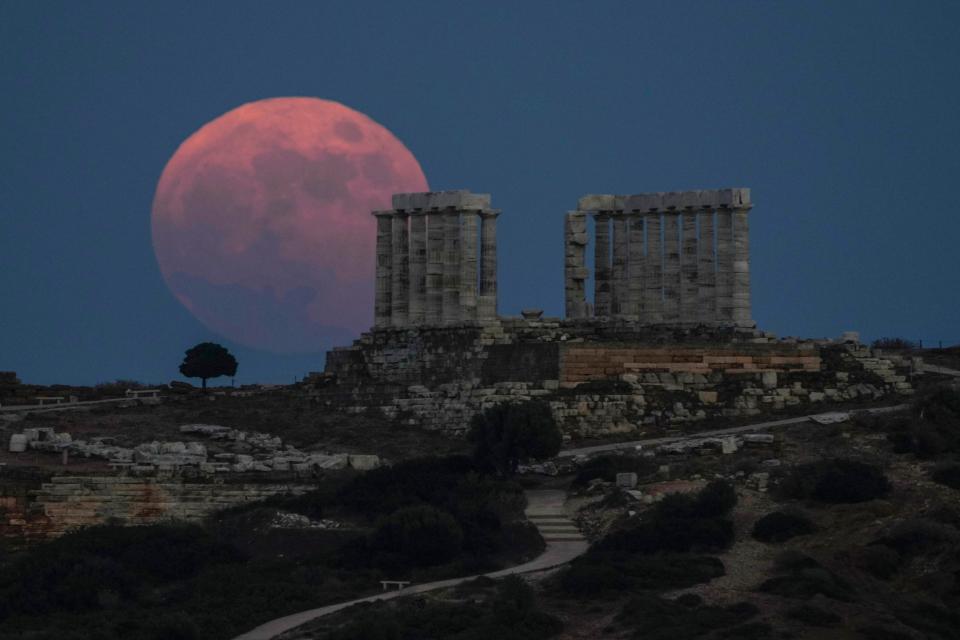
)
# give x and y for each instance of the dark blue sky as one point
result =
(841, 116)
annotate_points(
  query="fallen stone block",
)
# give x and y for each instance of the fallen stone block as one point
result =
(363, 462)
(759, 438)
(18, 443)
(833, 417)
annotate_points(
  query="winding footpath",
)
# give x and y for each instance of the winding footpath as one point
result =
(544, 509)
(758, 426)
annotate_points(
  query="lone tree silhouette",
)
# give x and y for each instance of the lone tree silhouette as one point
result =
(208, 360)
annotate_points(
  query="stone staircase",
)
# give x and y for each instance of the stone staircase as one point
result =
(552, 521)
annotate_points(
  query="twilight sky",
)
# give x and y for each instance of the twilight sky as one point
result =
(841, 116)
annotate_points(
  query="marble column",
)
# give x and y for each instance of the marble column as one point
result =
(400, 276)
(601, 265)
(574, 266)
(435, 229)
(724, 288)
(653, 272)
(487, 303)
(706, 269)
(671, 267)
(468, 265)
(689, 286)
(619, 281)
(417, 312)
(635, 267)
(740, 284)
(451, 266)
(384, 270)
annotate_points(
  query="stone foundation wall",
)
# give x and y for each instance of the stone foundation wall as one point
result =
(598, 378)
(580, 363)
(66, 503)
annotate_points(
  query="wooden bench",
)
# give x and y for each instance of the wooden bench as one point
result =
(399, 584)
(143, 393)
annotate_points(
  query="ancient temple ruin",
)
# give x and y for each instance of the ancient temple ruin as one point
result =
(673, 258)
(428, 269)
(668, 338)
(676, 258)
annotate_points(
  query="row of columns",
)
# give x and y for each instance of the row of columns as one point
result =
(428, 271)
(660, 266)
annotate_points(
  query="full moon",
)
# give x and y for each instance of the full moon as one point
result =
(261, 221)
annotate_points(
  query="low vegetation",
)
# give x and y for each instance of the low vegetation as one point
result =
(510, 613)
(422, 519)
(656, 618)
(663, 549)
(835, 481)
(934, 428)
(801, 577)
(948, 475)
(781, 526)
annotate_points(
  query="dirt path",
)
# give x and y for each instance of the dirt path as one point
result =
(544, 508)
(759, 426)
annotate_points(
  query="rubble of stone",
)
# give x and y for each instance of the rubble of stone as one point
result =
(286, 520)
(264, 453)
(67, 503)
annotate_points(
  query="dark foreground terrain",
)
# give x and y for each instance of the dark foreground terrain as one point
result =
(849, 530)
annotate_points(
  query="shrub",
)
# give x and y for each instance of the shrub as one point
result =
(600, 573)
(99, 567)
(920, 536)
(948, 475)
(424, 535)
(813, 616)
(878, 560)
(508, 433)
(881, 632)
(177, 626)
(481, 504)
(835, 481)
(717, 499)
(780, 526)
(593, 579)
(383, 490)
(941, 407)
(680, 523)
(657, 618)
(804, 578)
(934, 428)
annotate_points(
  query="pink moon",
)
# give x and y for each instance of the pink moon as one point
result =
(261, 221)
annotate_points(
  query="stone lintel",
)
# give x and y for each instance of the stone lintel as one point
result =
(733, 198)
(459, 199)
(597, 202)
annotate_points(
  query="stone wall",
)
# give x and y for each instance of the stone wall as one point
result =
(583, 362)
(598, 377)
(66, 503)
